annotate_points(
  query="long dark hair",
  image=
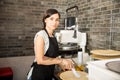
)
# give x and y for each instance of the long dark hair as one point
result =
(48, 13)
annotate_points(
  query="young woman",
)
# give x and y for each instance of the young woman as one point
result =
(46, 49)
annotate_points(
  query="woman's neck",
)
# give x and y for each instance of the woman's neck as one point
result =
(50, 32)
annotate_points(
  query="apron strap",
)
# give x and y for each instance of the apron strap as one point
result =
(47, 33)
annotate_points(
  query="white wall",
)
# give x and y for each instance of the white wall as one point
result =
(19, 65)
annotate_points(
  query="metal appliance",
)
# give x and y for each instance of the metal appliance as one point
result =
(71, 39)
(65, 37)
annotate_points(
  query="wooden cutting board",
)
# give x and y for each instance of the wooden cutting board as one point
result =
(68, 75)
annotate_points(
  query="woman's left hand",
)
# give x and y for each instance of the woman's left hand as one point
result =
(67, 64)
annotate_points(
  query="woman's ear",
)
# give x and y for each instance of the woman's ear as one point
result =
(45, 20)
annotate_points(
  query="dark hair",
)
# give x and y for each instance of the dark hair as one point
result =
(48, 13)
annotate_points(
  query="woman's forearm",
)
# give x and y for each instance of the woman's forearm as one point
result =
(49, 61)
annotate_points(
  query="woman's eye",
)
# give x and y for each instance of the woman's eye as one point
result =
(57, 19)
(51, 19)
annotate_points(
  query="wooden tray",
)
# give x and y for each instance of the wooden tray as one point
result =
(106, 52)
(103, 57)
(114, 66)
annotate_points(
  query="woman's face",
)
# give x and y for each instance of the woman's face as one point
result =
(52, 22)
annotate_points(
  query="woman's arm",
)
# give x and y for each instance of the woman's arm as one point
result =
(41, 59)
(39, 53)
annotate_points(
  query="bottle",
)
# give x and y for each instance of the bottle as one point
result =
(80, 66)
(80, 57)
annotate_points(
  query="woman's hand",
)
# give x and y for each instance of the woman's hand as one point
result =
(67, 64)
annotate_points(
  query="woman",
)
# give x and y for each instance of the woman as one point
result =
(46, 49)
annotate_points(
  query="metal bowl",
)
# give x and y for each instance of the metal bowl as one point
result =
(68, 46)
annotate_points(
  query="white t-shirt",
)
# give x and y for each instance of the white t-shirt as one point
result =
(44, 35)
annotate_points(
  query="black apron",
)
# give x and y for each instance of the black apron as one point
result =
(46, 72)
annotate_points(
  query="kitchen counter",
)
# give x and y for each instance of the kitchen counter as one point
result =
(99, 71)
